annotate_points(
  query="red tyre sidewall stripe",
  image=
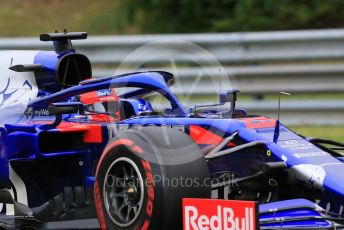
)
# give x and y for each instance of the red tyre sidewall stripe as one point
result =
(112, 145)
(99, 208)
(150, 192)
(145, 225)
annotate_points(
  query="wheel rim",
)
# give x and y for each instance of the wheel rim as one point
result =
(123, 191)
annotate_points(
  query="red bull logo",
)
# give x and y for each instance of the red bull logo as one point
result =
(207, 214)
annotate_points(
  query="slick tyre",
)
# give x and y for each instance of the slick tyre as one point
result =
(143, 175)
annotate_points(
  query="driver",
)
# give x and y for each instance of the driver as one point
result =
(101, 105)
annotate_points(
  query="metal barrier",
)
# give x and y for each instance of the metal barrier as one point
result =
(255, 63)
(256, 79)
(253, 47)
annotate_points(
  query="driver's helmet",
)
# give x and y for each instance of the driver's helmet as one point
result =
(101, 105)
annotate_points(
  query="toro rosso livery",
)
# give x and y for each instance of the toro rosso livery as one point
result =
(78, 152)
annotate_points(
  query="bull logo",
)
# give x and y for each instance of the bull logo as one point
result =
(4, 95)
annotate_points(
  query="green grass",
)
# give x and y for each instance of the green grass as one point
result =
(328, 132)
(31, 18)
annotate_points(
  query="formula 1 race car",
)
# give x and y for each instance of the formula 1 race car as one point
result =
(84, 153)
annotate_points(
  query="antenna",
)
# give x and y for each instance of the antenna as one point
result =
(220, 87)
(277, 126)
(220, 79)
(279, 102)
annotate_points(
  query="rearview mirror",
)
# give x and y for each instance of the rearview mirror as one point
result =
(65, 108)
(229, 96)
(59, 109)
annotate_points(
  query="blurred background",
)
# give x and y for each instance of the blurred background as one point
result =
(29, 18)
(260, 47)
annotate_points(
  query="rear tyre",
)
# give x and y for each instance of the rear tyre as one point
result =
(142, 177)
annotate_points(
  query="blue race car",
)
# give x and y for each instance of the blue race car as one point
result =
(122, 152)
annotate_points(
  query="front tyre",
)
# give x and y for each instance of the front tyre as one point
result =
(139, 179)
(123, 191)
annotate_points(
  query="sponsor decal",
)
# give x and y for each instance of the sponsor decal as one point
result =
(302, 149)
(311, 154)
(31, 112)
(41, 112)
(104, 93)
(296, 145)
(206, 214)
